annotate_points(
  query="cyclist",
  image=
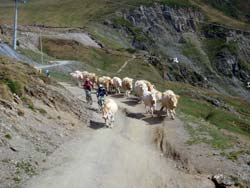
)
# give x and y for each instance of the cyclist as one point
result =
(88, 86)
(101, 93)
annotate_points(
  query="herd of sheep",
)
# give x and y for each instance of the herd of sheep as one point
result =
(143, 89)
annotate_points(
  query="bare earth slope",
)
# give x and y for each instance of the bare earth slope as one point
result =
(120, 157)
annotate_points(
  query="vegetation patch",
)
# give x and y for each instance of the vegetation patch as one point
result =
(42, 111)
(16, 77)
(223, 119)
(208, 134)
(234, 155)
(26, 167)
(8, 136)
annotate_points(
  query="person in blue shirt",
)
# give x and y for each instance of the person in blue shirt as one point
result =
(101, 93)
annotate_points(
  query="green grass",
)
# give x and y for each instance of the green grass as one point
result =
(71, 12)
(206, 133)
(8, 136)
(26, 167)
(35, 56)
(15, 86)
(16, 76)
(42, 111)
(191, 104)
(234, 155)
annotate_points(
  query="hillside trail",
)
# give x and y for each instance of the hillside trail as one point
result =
(125, 64)
(122, 157)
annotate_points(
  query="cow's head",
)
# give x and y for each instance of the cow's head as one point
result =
(173, 100)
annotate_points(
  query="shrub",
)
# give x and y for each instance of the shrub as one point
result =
(15, 87)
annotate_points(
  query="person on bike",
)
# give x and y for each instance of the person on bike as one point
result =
(101, 93)
(47, 73)
(88, 86)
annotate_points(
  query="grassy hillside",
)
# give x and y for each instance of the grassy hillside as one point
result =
(221, 111)
(79, 12)
(16, 77)
(68, 12)
(239, 9)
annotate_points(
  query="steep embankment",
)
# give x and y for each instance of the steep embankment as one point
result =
(36, 116)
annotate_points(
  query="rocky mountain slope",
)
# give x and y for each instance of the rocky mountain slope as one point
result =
(209, 55)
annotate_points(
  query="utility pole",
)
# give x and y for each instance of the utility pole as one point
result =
(41, 47)
(15, 25)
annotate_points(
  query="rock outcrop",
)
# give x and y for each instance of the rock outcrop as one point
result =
(209, 55)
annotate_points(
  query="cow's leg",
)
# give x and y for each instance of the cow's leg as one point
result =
(152, 111)
(168, 112)
(172, 114)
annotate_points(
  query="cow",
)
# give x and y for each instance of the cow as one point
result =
(108, 112)
(170, 101)
(105, 81)
(78, 77)
(139, 89)
(158, 94)
(149, 85)
(116, 83)
(149, 100)
(127, 85)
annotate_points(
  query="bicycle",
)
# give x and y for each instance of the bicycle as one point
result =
(101, 101)
(89, 97)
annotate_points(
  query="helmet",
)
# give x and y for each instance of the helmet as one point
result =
(100, 85)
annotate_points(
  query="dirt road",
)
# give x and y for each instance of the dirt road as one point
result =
(122, 157)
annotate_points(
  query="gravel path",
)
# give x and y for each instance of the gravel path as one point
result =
(121, 157)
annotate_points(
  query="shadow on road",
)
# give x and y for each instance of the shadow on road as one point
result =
(118, 95)
(93, 109)
(154, 120)
(96, 125)
(147, 117)
(135, 115)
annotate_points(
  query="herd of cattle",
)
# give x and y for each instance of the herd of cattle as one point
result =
(143, 89)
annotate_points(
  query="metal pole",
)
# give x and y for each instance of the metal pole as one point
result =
(41, 46)
(15, 25)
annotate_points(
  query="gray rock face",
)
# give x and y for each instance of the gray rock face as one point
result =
(181, 33)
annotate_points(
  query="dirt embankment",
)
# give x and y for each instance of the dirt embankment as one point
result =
(36, 117)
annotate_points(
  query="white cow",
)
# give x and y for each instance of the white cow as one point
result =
(127, 85)
(78, 77)
(170, 101)
(149, 100)
(139, 89)
(117, 84)
(108, 112)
